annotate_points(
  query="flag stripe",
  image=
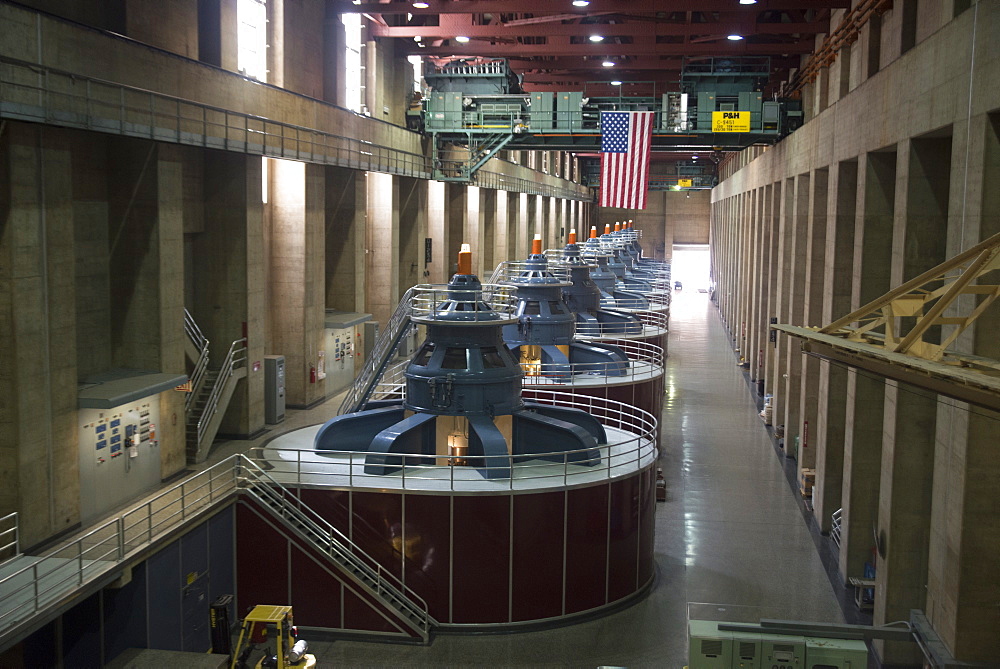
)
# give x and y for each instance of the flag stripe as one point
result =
(625, 152)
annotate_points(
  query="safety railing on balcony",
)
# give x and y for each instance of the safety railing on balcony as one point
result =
(46, 580)
(631, 446)
(38, 93)
(41, 94)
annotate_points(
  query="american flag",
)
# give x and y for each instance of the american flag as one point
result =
(625, 141)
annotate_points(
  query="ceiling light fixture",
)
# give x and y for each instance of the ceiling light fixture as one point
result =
(462, 38)
(735, 38)
(616, 83)
(417, 38)
(420, 5)
(608, 63)
(748, 2)
(597, 38)
(584, 3)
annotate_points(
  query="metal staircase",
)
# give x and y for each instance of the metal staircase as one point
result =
(323, 537)
(211, 389)
(35, 588)
(383, 350)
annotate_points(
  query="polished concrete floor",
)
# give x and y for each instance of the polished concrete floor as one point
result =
(731, 539)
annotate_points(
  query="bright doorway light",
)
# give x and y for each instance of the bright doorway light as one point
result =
(691, 265)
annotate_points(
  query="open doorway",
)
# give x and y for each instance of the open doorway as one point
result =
(690, 265)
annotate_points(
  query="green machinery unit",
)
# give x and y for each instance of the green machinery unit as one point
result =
(712, 648)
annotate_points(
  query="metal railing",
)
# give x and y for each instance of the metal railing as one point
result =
(48, 579)
(335, 544)
(42, 94)
(644, 361)
(429, 302)
(383, 349)
(200, 343)
(38, 93)
(633, 448)
(835, 526)
(236, 357)
(10, 537)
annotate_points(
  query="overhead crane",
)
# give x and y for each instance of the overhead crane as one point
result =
(476, 108)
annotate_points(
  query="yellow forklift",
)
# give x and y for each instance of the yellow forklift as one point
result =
(266, 620)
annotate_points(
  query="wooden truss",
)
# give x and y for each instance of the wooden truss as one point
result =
(878, 344)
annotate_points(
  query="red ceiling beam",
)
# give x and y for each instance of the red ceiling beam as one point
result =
(723, 49)
(631, 29)
(538, 7)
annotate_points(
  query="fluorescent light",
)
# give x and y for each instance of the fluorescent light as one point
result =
(463, 39)
(584, 3)
(597, 38)
(748, 2)
(735, 38)
(616, 83)
(424, 5)
(608, 63)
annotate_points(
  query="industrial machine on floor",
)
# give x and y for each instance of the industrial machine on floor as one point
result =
(543, 337)
(462, 403)
(713, 648)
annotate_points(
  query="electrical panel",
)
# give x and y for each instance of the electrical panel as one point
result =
(341, 347)
(119, 454)
(274, 389)
(712, 648)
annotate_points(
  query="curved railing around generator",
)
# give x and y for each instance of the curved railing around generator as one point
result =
(632, 446)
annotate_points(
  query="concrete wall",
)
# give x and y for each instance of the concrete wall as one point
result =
(887, 180)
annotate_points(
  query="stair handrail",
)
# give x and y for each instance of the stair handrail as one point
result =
(331, 541)
(193, 332)
(10, 537)
(382, 351)
(236, 357)
(200, 342)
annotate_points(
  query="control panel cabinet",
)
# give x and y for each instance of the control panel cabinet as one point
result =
(119, 454)
(274, 389)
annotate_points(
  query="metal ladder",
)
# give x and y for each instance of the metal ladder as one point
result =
(385, 346)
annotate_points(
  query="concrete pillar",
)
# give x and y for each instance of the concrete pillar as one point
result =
(382, 246)
(457, 214)
(789, 351)
(863, 416)
(962, 588)
(473, 230)
(522, 243)
(488, 216)
(438, 232)
(815, 290)
(919, 242)
(772, 208)
(412, 231)
(501, 227)
(296, 273)
(780, 202)
(228, 276)
(345, 239)
(38, 426)
(832, 399)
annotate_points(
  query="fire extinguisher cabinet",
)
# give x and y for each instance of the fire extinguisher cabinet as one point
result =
(274, 389)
